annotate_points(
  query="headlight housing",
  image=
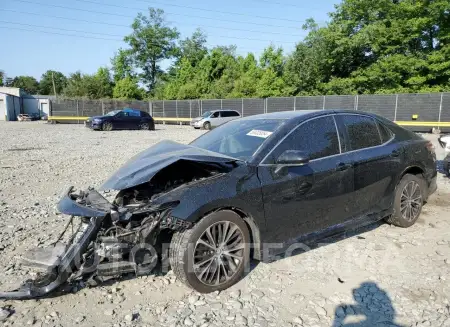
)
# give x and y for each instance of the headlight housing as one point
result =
(96, 120)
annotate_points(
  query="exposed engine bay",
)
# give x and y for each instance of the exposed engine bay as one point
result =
(110, 239)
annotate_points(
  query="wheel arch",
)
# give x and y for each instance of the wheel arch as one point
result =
(413, 170)
(416, 170)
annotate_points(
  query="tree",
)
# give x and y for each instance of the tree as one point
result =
(127, 88)
(100, 84)
(28, 83)
(194, 48)
(122, 65)
(151, 42)
(367, 47)
(270, 85)
(95, 86)
(77, 85)
(273, 58)
(2, 77)
(46, 82)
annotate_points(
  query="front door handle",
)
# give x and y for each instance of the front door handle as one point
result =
(395, 153)
(343, 166)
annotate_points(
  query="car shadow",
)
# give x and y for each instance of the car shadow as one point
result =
(312, 245)
(373, 307)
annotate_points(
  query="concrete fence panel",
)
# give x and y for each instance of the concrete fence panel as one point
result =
(383, 105)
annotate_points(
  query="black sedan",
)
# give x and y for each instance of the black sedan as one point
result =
(251, 188)
(122, 119)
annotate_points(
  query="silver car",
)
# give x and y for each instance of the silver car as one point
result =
(214, 118)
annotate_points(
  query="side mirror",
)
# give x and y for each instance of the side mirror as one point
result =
(293, 157)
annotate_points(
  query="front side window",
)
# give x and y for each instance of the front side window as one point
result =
(122, 114)
(113, 113)
(216, 114)
(206, 114)
(318, 138)
(362, 131)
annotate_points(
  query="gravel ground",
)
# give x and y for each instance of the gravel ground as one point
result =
(381, 276)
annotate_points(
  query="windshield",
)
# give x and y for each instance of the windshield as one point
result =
(206, 114)
(113, 113)
(239, 138)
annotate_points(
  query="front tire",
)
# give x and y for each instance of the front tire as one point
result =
(107, 126)
(207, 125)
(408, 201)
(214, 254)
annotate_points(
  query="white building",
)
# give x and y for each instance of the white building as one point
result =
(14, 101)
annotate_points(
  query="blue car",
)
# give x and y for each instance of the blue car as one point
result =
(121, 119)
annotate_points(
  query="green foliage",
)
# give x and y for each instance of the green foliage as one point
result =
(46, 82)
(95, 86)
(193, 48)
(151, 42)
(2, 77)
(122, 65)
(127, 88)
(77, 85)
(28, 83)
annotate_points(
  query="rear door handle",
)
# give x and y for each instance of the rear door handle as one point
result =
(343, 166)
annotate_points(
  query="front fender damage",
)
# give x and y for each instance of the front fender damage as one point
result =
(123, 236)
(84, 255)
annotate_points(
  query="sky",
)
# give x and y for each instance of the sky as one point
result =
(72, 35)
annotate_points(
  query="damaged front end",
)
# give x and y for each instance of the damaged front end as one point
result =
(109, 240)
(125, 236)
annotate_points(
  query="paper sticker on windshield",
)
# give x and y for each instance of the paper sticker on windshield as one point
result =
(259, 133)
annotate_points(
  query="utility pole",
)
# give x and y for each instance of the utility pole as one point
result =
(53, 81)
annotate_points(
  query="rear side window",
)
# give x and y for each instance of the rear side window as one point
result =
(362, 131)
(317, 137)
(385, 133)
(229, 114)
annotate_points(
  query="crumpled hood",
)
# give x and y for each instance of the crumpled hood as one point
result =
(142, 167)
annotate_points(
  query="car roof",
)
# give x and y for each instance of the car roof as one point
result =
(129, 109)
(288, 115)
(215, 110)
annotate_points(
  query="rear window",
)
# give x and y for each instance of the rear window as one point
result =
(362, 131)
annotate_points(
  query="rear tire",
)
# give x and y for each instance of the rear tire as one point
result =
(207, 126)
(409, 198)
(144, 126)
(219, 266)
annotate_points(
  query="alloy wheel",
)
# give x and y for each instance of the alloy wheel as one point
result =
(411, 201)
(144, 126)
(218, 253)
(107, 126)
